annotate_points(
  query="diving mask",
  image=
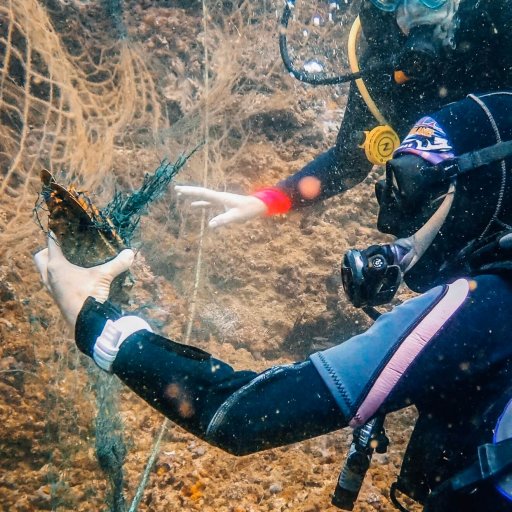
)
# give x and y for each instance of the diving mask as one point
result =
(392, 5)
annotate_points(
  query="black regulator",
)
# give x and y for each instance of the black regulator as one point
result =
(370, 277)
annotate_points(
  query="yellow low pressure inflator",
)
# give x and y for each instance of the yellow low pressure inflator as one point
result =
(381, 142)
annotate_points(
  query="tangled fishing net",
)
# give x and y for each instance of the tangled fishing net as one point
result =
(65, 103)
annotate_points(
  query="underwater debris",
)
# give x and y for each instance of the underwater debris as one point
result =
(89, 236)
(125, 211)
(80, 226)
(111, 448)
(85, 234)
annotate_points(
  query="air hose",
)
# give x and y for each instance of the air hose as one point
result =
(380, 142)
(305, 76)
(353, 39)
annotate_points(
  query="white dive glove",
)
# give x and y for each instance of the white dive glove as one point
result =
(70, 285)
(239, 208)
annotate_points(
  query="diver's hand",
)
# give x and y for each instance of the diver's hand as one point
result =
(239, 208)
(70, 285)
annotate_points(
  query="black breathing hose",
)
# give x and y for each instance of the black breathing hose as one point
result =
(305, 76)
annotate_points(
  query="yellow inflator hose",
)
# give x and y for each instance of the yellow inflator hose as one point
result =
(381, 142)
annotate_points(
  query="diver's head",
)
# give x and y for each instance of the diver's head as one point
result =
(429, 27)
(440, 223)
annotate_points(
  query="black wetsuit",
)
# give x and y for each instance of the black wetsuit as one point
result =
(447, 351)
(480, 62)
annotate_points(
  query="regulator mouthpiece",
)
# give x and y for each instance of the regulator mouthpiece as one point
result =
(419, 58)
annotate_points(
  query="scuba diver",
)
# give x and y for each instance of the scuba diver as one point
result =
(446, 197)
(419, 55)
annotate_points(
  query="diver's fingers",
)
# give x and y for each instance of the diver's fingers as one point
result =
(248, 208)
(206, 194)
(41, 262)
(119, 264)
(196, 204)
(231, 216)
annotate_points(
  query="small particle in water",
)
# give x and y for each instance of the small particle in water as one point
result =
(443, 92)
(313, 66)
(185, 409)
(464, 366)
(173, 391)
(310, 187)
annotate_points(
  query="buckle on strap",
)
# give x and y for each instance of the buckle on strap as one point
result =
(493, 461)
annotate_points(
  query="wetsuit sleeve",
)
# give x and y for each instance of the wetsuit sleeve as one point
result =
(436, 348)
(239, 411)
(342, 166)
(445, 343)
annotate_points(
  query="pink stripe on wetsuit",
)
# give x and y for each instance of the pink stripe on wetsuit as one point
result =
(410, 349)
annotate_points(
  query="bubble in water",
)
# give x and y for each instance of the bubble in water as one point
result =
(317, 20)
(313, 66)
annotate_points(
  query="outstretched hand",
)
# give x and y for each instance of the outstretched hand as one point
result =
(70, 285)
(239, 208)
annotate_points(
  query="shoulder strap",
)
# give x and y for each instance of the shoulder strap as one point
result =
(493, 461)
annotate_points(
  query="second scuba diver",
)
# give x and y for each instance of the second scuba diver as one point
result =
(447, 199)
(421, 54)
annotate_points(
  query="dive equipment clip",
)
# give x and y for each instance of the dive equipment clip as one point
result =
(367, 438)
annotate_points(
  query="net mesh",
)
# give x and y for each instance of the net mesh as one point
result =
(67, 107)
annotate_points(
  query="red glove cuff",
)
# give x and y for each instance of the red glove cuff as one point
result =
(276, 200)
